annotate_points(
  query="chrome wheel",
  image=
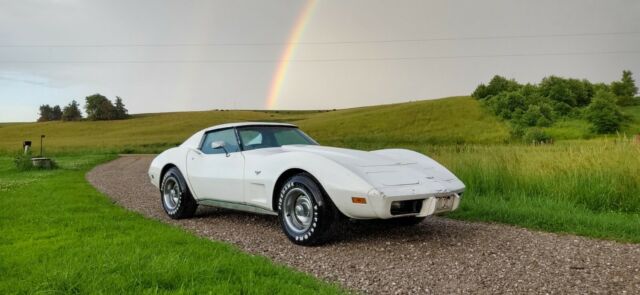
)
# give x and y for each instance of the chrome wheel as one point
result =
(171, 194)
(298, 210)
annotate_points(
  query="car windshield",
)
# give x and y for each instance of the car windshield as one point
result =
(259, 137)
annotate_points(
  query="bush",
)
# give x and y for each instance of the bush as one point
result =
(625, 89)
(517, 131)
(71, 112)
(537, 136)
(506, 104)
(497, 85)
(23, 162)
(536, 115)
(604, 114)
(556, 98)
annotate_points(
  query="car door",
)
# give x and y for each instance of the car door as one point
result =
(217, 173)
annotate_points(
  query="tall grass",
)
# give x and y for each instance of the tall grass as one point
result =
(584, 187)
(601, 175)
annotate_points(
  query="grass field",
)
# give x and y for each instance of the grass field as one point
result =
(589, 188)
(582, 184)
(59, 236)
(445, 121)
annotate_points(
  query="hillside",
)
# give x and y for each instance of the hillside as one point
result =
(453, 120)
(443, 121)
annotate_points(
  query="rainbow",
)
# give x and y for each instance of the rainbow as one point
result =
(291, 45)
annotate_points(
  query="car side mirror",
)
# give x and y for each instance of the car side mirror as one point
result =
(217, 144)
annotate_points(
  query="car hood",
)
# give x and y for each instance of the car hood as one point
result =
(384, 171)
(343, 156)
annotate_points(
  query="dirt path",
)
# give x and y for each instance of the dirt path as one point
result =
(438, 256)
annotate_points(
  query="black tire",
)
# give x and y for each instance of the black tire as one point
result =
(407, 221)
(316, 206)
(175, 195)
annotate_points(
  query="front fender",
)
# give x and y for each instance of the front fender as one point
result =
(338, 181)
(174, 156)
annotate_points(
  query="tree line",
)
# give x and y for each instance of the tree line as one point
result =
(97, 107)
(529, 106)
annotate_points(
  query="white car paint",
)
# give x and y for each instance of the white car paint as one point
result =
(246, 180)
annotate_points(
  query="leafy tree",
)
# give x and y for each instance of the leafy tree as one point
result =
(558, 89)
(98, 107)
(603, 113)
(45, 113)
(506, 103)
(497, 85)
(625, 89)
(48, 113)
(527, 106)
(535, 115)
(71, 112)
(481, 92)
(56, 113)
(119, 111)
(581, 91)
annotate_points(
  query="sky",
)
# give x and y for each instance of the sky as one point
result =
(169, 55)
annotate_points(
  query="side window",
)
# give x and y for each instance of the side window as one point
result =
(250, 138)
(227, 135)
(287, 136)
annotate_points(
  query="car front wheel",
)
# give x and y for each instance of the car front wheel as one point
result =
(176, 198)
(306, 215)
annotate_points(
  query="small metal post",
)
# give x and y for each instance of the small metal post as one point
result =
(41, 149)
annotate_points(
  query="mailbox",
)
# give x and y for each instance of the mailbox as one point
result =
(26, 146)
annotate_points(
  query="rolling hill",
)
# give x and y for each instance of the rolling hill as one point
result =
(444, 121)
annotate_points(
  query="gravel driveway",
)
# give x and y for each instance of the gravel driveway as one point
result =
(438, 256)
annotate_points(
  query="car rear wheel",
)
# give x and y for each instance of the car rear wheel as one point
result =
(176, 198)
(306, 215)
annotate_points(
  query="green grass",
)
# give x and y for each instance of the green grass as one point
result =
(59, 236)
(633, 126)
(455, 120)
(589, 188)
(570, 129)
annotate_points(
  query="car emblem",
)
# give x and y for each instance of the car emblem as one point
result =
(257, 172)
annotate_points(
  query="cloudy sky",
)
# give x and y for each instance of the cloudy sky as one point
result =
(162, 55)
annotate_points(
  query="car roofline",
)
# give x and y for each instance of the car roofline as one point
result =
(244, 124)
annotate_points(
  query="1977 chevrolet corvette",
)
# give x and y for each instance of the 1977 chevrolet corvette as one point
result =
(277, 169)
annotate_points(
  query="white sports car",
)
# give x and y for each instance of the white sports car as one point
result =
(277, 169)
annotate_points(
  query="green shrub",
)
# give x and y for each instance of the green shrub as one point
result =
(603, 113)
(625, 89)
(517, 131)
(557, 98)
(537, 136)
(497, 85)
(23, 162)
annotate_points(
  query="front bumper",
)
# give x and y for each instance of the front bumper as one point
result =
(400, 203)
(416, 205)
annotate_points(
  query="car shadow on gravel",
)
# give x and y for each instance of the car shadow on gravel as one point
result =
(432, 230)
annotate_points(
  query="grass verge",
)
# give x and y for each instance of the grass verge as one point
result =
(589, 188)
(59, 235)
